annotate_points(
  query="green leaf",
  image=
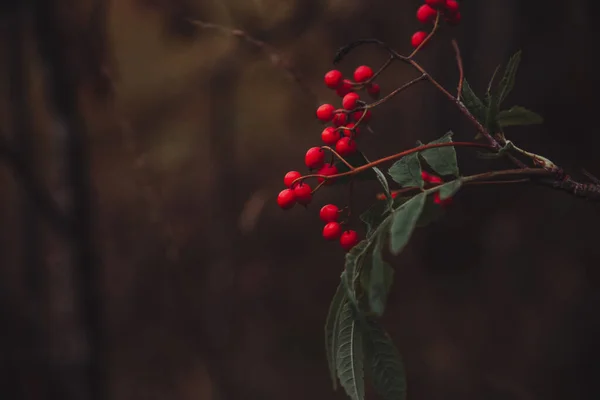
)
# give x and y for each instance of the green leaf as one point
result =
(442, 159)
(374, 215)
(350, 355)
(380, 279)
(354, 258)
(449, 189)
(488, 92)
(431, 213)
(507, 83)
(472, 102)
(331, 324)
(385, 185)
(407, 171)
(384, 363)
(404, 221)
(518, 116)
(490, 116)
(356, 160)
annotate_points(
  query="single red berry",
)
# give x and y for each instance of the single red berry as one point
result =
(444, 203)
(452, 6)
(435, 3)
(374, 90)
(291, 177)
(425, 176)
(363, 74)
(435, 179)
(329, 213)
(349, 239)
(330, 136)
(350, 100)
(303, 193)
(334, 79)
(286, 199)
(346, 146)
(418, 38)
(353, 130)
(314, 158)
(454, 18)
(327, 170)
(345, 88)
(340, 119)
(332, 231)
(426, 14)
(325, 112)
(357, 115)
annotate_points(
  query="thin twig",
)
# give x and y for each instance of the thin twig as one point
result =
(461, 72)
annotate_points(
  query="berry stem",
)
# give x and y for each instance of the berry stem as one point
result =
(461, 71)
(424, 42)
(396, 91)
(335, 153)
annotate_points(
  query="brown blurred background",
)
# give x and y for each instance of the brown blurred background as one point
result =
(179, 278)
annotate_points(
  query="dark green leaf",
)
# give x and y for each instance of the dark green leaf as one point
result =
(349, 363)
(472, 102)
(381, 278)
(490, 116)
(385, 185)
(354, 258)
(488, 92)
(507, 83)
(518, 116)
(449, 189)
(404, 221)
(442, 159)
(384, 363)
(333, 317)
(407, 171)
(431, 212)
(356, 160)
(374, 215)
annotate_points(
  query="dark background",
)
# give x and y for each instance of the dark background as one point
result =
(179, 277)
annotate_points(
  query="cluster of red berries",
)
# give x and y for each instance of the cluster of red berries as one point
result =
(340, 135)
(427, 13)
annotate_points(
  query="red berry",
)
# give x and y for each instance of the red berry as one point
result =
(349, 101)
(345, 88)
(286, 199)
(330, 136)
(325, 112)
(452, 6)
(314, 158)
(303, 193)
(346, 146)
(353, 132)
(363, 74)
(435, 3)
(291, 177)
(329, 213)
(327, 170)
(349, 239)
(333, 79)
(418, 38)
(426, 14)
(373, 89)
(357, 115)
(425, 176)
(438, 200)
(340, 119)
(435, 179)
(454, 18)
(332, 231)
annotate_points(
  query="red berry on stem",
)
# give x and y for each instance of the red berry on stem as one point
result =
(303, 193)
(349, 239)
(350, 100)
(325, 112)
(345, 88)
(291, 177)
(363, 74)
(435, 179)
(286, 199)
(332, 231)
(426, 14)
(333, 79)
(314, 158)
(340, 119)
(373, 89)
(435, 3)
(357, 115)
(346, 146)
(353, 132)
(437, 200)
(452, 6)
(418, 38)
(329, 213)
(327, 170)
(330, 136)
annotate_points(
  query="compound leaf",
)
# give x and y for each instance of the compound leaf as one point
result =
(407, 171)
(331, 324)
(380, 279)
(404, 221)
(442, 159)
(449, 189)
(350, 356)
